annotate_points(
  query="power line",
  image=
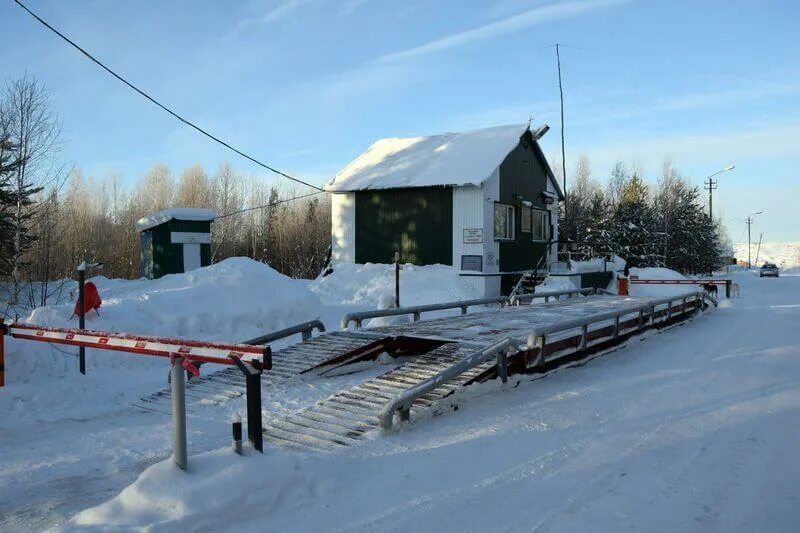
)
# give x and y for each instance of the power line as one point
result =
(269, 205)
(159, 104)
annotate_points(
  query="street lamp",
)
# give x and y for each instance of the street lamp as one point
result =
(710, 185)
(749, 220)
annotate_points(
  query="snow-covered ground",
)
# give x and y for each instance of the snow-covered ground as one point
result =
(783, 254)
(692, 428)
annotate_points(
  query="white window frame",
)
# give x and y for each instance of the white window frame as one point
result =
(544, 217)
(510, 221)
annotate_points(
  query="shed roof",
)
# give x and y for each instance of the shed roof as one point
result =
(467, 158)
(178, 213)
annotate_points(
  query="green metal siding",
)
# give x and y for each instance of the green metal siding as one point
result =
(417, 222)
(523, 176)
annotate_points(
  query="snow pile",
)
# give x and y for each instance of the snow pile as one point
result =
(366, 285)
(448, 159)
(783, 254)
(230, 301)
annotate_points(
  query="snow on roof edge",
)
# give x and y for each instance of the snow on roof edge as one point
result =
(467, 158)
(179, 213)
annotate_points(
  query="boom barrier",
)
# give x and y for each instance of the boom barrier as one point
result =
(183, 354)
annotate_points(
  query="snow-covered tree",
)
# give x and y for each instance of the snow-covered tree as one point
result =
(633, 225)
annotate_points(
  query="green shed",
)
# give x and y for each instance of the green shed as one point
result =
(174, 241)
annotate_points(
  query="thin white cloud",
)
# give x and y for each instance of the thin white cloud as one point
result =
(284, 9)
(512, 24)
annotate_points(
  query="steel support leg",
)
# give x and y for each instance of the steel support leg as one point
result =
(178, 413)
(252, 381)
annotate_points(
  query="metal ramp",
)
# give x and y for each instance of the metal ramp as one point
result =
(224, 385)
(344, 418)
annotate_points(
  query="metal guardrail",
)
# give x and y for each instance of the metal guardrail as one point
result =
(514, 300)
(305, 328)
(402, 402)
(536, 342)
(417, 311)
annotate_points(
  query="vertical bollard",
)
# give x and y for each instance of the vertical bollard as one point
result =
(236, 426)
(178, 413)
(397, 279)
(81, 316)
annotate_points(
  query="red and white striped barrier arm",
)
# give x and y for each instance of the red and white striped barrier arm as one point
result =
(638, 281)
(194, 351)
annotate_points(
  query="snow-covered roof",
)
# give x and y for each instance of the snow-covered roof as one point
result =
(467, 158)
(178, 213)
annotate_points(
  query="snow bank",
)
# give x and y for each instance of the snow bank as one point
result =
(232, 301)
(367, 285)
(657, 290)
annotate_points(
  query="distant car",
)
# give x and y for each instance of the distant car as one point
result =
(768, 269)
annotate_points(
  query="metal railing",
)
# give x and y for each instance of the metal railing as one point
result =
(646, 312)
(417, 310)
(403, 401)
(305, 329)
(517, 298)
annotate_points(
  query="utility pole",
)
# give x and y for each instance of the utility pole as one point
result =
(563, 156)
(710, 185)
(749, 221)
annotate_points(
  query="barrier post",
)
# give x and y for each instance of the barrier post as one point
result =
(178, 387)
(622, 284)
(2, 353)
(252, 381)
(81, 315)
(727, 288)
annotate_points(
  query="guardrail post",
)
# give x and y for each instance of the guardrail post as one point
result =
(306, 334)
(641, 318)
(616, 326)
(178, 390)
(416, 316)
(584, 335)
(727, 288)
(463, 309)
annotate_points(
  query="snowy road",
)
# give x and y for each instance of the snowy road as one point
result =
(694, 428)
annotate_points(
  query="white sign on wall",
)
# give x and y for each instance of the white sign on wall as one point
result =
(473, 235)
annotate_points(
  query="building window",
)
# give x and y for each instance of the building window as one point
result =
(503, 222)
(525, 219)
(541, 225)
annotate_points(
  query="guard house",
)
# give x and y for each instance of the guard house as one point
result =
(483, 201)
(174, 241)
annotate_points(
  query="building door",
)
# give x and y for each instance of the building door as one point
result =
(191, 256)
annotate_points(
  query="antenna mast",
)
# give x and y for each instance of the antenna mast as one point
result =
(563, 157)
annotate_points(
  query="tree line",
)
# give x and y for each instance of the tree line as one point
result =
(665, 225)
(53, 217)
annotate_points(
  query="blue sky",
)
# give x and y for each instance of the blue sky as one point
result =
(306, 85)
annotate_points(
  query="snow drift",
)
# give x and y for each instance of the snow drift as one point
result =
(231, 301)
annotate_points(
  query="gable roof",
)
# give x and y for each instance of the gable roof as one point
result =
(467, 158)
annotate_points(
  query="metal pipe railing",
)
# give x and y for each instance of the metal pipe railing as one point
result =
(536, 339)
(514, 300)
(417, 310)
(403, 401)
(305, 328)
